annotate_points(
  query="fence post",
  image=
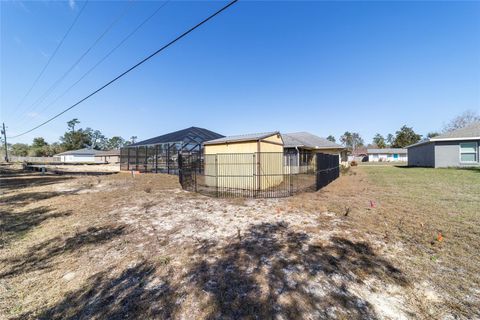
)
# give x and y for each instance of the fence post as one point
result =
(216, 174)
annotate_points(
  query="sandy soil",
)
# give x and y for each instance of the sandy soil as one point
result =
(123, 246)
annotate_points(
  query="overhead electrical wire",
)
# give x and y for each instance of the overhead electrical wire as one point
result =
(66, 73)
(52, 56)
(131, 68)
(107, 55)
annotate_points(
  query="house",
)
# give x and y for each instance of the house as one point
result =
(387, 155)
(80, 155)
(305, 145)
(248, 162)
(160, 154)
(458, 148)
(109, 156)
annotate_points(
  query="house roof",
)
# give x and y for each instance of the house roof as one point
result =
(387, 151)
(114, 152)
(80, 152)
(471, 131)
(308, 140)
(243, 137)
(193, 133)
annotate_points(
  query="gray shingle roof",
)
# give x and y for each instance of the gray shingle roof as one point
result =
(308, 140)
(470, 131)
(387, 151)
(80, 152)
(242, 137)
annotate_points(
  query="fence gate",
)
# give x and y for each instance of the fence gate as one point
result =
(189, 165)
(328, 169)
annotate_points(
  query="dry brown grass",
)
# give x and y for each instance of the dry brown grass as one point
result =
(140, 247)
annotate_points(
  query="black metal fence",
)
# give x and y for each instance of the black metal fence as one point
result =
(161, 158)
(258, 175)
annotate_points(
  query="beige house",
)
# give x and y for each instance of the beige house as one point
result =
(251, 161)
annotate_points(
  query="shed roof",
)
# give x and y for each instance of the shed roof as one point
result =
(471, 131)
(80, 152)
(387, 151)
(242, 138)
(308, 140)
(194, 133)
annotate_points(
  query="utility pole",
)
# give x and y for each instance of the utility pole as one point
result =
(4, 132)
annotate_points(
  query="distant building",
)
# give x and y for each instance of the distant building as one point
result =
(459, 148)
(80, 155)
(387, 155)
(109, 156)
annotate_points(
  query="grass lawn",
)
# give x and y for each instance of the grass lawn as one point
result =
(379, 242)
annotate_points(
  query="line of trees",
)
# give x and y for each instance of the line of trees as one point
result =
(405, 135)
(74, 138)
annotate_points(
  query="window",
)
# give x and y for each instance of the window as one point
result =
(468, 152)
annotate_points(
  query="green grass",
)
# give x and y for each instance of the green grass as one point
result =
(415, 205)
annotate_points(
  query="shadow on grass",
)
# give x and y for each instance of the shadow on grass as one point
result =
(27, 197)
(273, 272)
(41, 256)
(34, 180)
(16, 225)
(267, 272)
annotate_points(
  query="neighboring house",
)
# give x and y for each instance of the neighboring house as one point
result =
(458, 148)
(305, 145)
(160, 154)
(80, 155)
(387, 155)
(359, 154)
(250, 161)
(109, 156)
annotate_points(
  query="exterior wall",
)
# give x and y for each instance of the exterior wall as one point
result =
(240, 165)
(76, 158)
(422, 155)
(402, 157)
(447, 154)
(239, 147)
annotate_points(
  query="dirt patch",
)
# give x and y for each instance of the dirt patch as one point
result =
(124, 246)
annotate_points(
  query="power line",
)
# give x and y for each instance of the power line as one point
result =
(66, 73)
(52, 56)
(131, 68)
(107, 55)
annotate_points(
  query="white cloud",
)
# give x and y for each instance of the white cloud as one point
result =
(71, 3)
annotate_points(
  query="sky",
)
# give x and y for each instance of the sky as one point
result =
(316, 66)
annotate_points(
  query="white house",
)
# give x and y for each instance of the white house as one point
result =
(80, 155)
(387, 155)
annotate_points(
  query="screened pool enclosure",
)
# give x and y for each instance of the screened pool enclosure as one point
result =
(160, 154)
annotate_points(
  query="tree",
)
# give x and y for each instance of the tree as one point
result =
(390, 139)
(432, 134)
(19, 149)
(73, 140)
(379, 141)
(72, 123)
(404, 137)
(133, 139)
(98, 140)
(351, 140)
(39, 148)
(461, 121)
(115, 142)
(331, 138)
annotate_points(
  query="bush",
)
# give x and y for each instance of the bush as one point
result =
(354, 163)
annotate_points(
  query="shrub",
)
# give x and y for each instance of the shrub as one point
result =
(354, 163)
